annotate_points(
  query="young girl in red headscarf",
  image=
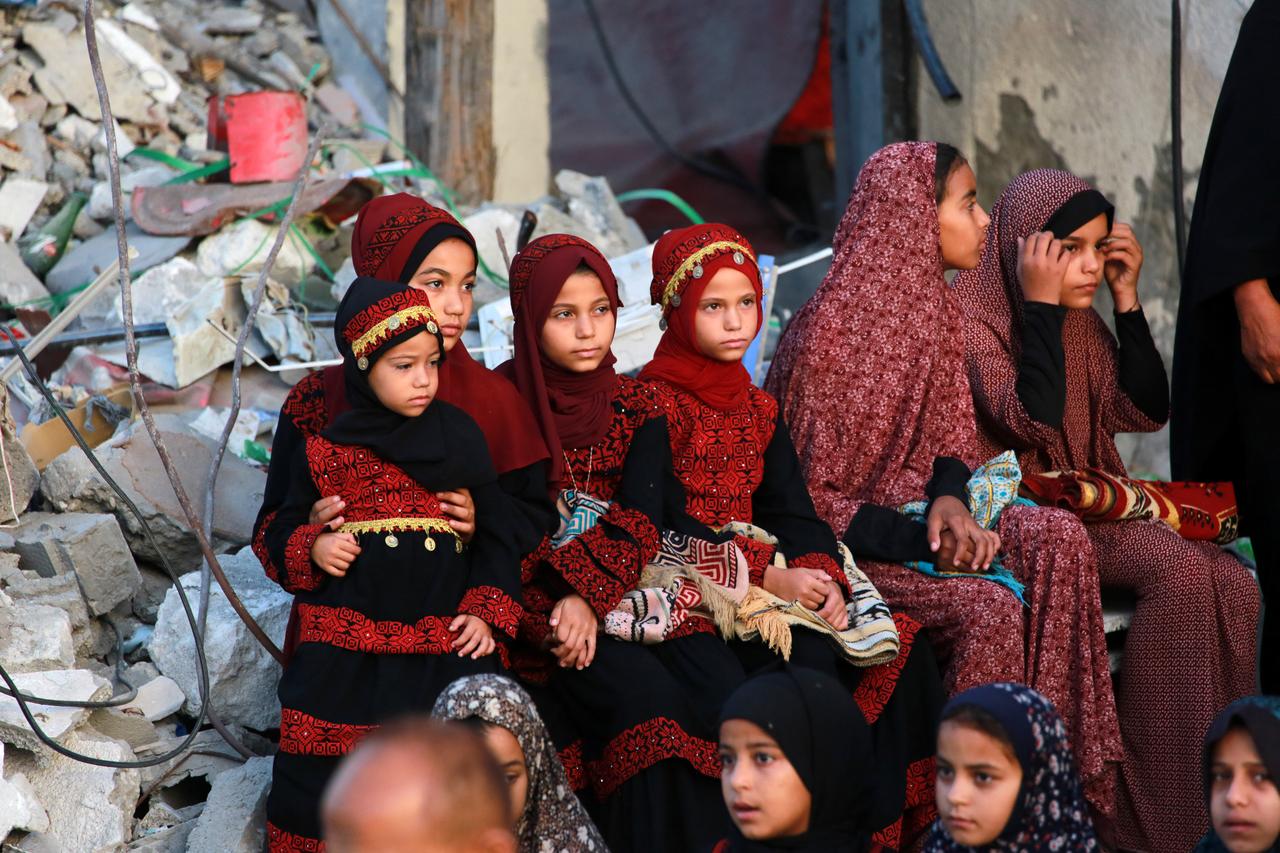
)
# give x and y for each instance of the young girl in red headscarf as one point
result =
(402, 238)
(1052, 382)
(392, 607)
(871, 375)
(733, 453)
(644, 707)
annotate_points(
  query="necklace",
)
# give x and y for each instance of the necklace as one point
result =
(591, 458)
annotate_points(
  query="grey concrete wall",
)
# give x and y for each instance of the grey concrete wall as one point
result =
(1083, 85)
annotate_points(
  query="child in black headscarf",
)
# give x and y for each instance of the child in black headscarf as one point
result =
(392, 607)
(1006, 777)
(797, 765)
(1241, 769)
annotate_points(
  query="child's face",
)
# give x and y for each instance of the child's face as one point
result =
(962, 223)
(1243, 800)
(578, 331)
(448, 276)
(405, 377)
(510, 757)
(765, 796)
(978, 783)
(1085, 247)
(726, 319)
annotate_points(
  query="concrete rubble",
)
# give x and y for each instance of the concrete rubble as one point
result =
(88, 611)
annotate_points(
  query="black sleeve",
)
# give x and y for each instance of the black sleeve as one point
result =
(287, 537)
(950, 479)
(493, 563)
(782, 505)
(884, 534)
(528, 510)
(1042, 371)
(1141, 370)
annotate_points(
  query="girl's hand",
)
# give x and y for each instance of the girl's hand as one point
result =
(327, 510)
(1122, 254)
(475, 637)
(334, 552)
(574, 628)
(975, 546)
(461, 511)
(1042, 267)
(833, 608)
(807, 586)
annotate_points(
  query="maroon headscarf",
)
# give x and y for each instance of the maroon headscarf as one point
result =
(393, 234)
(992, 298)
(572, 409)
(870, 372)
(684, 262)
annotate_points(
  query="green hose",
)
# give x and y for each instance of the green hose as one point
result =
(664, 195)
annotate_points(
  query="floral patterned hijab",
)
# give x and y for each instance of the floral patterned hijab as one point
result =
(1050, 814)
(553, 820)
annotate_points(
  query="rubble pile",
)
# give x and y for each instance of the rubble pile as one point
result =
(86, 611)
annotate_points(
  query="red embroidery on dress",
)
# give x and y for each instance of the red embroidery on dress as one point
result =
(301, 574)
(889, 839)
(279, 841)
(305, 405)
(639, 527)
(493, 606)
(921, 805)
(579, 568)
(303, 734)
(633, 405)
(822, 563)
(719, 456)
(344, 628)
(574, 767)
(372, 487)
(878, 682)
(260, 547)
(759, 556)
(643, 746)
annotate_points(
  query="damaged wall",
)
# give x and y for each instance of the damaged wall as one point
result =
(1062, 85)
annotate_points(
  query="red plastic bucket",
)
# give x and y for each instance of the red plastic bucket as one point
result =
(264, 134)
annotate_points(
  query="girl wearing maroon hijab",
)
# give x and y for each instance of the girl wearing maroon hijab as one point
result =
(732, 451)
(645, 713)
(401, 238)
(871, 375)
(1052, 382)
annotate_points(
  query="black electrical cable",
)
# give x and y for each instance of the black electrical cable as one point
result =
(201, 660)
(1175, 111)
(702, 167)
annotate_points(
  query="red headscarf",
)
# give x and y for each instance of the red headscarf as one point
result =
(392, 235)
(684, 262)
(871, 372)
(992, 297)
(572, 409)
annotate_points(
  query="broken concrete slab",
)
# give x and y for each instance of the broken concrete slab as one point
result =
(234, 817)
(230, 21)
(72, 485)
(35, 637)
(37, 819)
(146, 601)
(100, 206)
(171, 840)
(132, 728)
(8, 116)
(19, 477)
(60, 591)
(90, 808)
(243, 675)
(242, 248)
(33, 148)
(592, 202)
(158, 698)
(157, 295)
(89, 546)
(66, 77)
(81, 265)
(72, 685)
(20, 198)
(210, 757)
(77, 131)
(18, 284)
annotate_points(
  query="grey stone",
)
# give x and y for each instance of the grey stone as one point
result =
(210, 757)
(76, 685)
(592, 202)
(20, 198)
(90, 808)
(37, 819)
(71, 484)
(81, 265)
(234, 818)
(146, 601)
(230, 21)
(19, 477)
(66, 78)
(34, 637)
(34, 148)
(171, 840)
(62, 592)
(243, 675)
(157, 699)
(119, 723)
(88, 545)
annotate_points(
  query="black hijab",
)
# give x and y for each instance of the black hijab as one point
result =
(825, 737)
(1260, 716)
(442, 448)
